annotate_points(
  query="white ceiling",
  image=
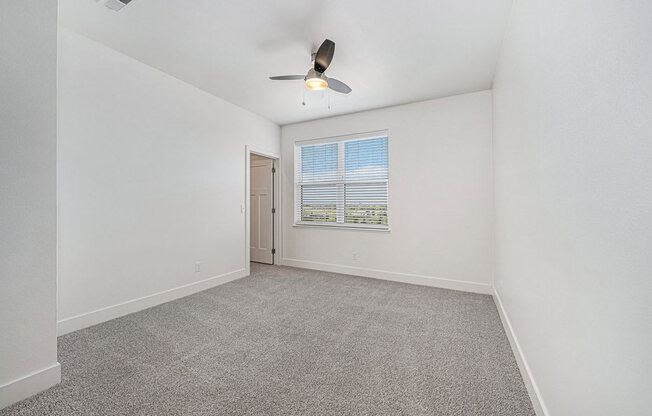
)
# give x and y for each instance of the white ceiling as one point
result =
(389, 51)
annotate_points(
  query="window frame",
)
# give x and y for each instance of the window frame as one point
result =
(340, 183)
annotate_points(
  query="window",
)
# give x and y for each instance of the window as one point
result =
(342, 181)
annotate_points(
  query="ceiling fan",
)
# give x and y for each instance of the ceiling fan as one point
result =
(315, 79)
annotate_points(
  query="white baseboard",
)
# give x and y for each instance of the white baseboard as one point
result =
(526, 373)
(87, 319)
(20, 389)
(414, 279)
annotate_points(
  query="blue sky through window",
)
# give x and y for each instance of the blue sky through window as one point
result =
(364, 160)
(319, 162)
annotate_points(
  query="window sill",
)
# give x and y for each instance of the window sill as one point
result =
(378, 228)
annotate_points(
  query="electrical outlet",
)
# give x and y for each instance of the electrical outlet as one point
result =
(197, 266)
(355, 256)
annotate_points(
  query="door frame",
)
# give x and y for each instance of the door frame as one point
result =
(249, 150)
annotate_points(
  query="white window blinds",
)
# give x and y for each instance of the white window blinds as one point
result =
(342, 181)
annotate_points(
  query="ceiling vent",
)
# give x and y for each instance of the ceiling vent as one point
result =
(115, 5)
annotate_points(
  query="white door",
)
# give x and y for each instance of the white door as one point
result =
(261, 200)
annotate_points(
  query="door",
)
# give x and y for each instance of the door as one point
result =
(261, 204)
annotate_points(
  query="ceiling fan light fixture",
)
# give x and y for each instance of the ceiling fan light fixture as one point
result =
(316, 84)
(316, 81)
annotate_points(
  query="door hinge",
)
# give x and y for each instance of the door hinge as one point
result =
(273, 170)
(273, 210)
(273, 251)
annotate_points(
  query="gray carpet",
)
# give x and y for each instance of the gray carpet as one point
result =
(288, 341)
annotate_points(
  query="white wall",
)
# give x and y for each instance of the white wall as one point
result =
(28, 344)
(440, 205)
(573, 183)
(151, 180)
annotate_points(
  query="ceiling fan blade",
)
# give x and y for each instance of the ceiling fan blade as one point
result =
(339, 86)
(287, 77)
(324, 55)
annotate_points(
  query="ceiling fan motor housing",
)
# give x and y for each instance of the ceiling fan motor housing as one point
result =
(314, 74)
